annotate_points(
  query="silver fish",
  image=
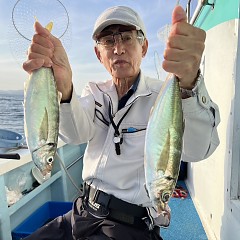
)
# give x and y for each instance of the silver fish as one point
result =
(163, 146)
(41, 120)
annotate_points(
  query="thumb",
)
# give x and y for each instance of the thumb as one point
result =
(39, 29)
(178, 15)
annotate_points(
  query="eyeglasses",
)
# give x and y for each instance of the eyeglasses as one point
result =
(127, 38)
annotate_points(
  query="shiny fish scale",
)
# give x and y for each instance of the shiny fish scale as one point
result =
(41, 117)
(163, 145)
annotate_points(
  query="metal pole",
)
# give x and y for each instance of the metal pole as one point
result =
(188, 10)
(200, 6)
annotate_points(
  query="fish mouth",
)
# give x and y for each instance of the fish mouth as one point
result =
(166, 218)
(165, 213)
(38, 175)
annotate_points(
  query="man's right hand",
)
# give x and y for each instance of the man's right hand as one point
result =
(47, 51)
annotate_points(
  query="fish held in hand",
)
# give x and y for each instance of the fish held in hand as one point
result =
(163, 146)
(41, 120)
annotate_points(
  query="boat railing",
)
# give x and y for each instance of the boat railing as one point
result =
(201, 4)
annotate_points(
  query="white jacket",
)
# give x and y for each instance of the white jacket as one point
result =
(85, 120)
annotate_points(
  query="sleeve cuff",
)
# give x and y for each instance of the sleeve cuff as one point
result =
(186, 93)
(200, 98)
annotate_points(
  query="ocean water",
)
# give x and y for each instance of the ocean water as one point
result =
(11, 111)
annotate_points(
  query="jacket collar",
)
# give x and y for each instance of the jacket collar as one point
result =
(142, 89)
(109, 88)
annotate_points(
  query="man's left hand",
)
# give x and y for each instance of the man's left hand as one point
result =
(184, 49)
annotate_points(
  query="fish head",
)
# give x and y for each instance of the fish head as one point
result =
(163, 189)
(43, 157)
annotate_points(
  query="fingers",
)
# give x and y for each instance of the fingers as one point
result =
(183, 68)
(43, 41)
(31, 65)
(182, 42)
(47, 62)
(185, 29)
(176, 55)
(183, 61)
(180, 46)
(40, 51)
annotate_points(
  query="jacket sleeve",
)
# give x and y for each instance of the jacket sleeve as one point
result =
(201, 118)
(76, 119)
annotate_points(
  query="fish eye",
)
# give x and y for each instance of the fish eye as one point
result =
(49, 160)
(165, 196)
(51, 144)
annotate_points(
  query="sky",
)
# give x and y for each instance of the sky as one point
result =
(79, 45)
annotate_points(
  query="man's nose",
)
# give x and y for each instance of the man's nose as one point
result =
(118, 45)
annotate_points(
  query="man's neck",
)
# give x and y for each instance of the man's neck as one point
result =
(123, 85)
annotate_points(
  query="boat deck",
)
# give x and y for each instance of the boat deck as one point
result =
(185, 223)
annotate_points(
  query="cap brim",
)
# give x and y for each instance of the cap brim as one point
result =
(111, 22)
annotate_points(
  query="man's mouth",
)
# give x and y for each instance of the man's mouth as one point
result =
(120, 62)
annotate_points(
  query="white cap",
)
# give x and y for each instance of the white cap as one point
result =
(118, 15)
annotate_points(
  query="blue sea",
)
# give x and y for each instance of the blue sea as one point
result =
(11, 111)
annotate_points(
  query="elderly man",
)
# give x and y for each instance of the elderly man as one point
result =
(112, 117)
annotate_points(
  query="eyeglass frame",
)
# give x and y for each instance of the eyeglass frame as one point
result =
(140, 37)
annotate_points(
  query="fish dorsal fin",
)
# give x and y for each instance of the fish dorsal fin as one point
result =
(43, 134)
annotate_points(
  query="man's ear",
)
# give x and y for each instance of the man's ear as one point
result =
(144, 47)
(98, 54)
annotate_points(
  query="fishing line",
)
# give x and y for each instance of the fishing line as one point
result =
(67, 173)
(157, 64)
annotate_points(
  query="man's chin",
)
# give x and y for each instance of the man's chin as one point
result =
(123, 73)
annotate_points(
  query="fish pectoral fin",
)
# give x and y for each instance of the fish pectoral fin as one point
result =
(43, 133)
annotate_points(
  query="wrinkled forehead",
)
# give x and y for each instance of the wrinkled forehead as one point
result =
(113, 29)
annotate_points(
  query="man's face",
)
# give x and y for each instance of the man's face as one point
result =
(120, 51)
